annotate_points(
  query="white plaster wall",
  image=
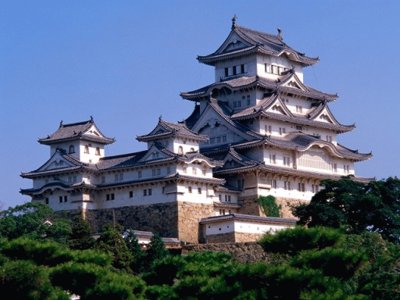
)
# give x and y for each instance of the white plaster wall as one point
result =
(279, 157)
(249, 61)
(230, 226)
(206, 196)
(222, 197)
(122, 198)
(90, 157)
(293, 193)
(65, 147)
(187, 145)
(220, 227)
(281, 61)
(55, 204)
(253, 227)
(291, 104)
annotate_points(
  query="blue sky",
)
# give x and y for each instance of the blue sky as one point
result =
(125, 63)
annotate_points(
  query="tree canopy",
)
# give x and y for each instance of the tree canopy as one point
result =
(356, 207)
(35, 220)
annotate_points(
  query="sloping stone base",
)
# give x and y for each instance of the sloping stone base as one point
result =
(158, 218)
(233, 237)
(242, 252)
(189, 216)
(286, 206)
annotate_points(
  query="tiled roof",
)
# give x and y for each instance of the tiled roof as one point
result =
(286, 171)
(259, 42)
(120, 161)
(75, 165)
(308, 120)
(301, 142)
(252, 81)
(166, 129)
(75, 131)
(56, 184)
(171, 177)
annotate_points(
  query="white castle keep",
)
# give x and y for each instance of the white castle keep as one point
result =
(258, 130)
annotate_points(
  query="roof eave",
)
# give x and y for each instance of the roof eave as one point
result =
(50, 141)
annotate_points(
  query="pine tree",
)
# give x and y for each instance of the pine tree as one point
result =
(112, 242)
(136, 251)
(80, 237)
(156, 250)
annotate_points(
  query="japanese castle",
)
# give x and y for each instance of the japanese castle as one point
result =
(258, 130)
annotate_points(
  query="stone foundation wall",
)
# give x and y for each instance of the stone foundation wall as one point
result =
(286, 204)
(249, 206)
(161, 218)
(241, 252)
(233, 237)
(221, 238)
(241, 237)
(189, 216)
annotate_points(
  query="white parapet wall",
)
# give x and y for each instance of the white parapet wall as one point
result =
(229, 227)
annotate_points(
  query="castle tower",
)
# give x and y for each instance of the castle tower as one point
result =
(276, 135)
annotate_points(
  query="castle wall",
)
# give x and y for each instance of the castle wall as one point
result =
(189, 215)
(161, 218)
(242, 252)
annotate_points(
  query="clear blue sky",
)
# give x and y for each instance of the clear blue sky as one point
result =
(125, 63)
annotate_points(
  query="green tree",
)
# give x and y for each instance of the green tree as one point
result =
(156, 250)
(35, 220)
(355, 206)
(112, 242)
(81, 235)
(25, 280)
(136, 251)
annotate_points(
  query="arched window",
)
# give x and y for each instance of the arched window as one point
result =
(71, 149)
(86, 149)
(180, 150)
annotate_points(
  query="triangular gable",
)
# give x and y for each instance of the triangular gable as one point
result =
(293, 81)
(93, 131)
(278, 107)
(325, 116)
(211, 117)
(154, 153)
(159, 129)
(233, 42)
(57, 161)
(234, 160)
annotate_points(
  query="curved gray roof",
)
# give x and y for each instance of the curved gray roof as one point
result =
(75, 131)
(254, 41)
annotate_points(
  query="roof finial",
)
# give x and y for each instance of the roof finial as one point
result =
(234, 21)
(159, 118)
(91, 119)
(61, 123)
(280, 34)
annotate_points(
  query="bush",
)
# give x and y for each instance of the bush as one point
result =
(292, 241)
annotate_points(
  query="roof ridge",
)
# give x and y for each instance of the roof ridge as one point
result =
(259, 32)
(76, 123)
(121, 155)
